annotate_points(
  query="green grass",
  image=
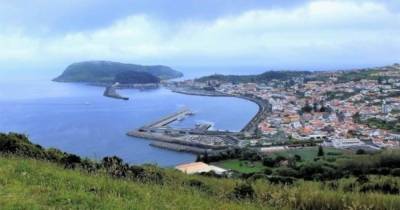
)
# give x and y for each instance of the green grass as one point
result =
(309, 153)
(242, 166)
(306, 154)
(33, 184)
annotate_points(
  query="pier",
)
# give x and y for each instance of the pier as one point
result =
(169, 119)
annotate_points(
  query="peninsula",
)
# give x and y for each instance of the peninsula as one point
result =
(107, 73)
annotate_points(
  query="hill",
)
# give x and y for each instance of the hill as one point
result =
(32, 177)
(106, 72)
(261, 78)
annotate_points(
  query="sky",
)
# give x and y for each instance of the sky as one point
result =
(274, 34)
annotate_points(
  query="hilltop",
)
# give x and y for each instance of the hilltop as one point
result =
(32, 177)
(110, 72)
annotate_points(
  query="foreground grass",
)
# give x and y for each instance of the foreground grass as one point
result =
(32, 184)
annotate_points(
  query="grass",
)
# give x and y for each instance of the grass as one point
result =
(309, 153)
(242, 166)
(33, 184)
(306, 154)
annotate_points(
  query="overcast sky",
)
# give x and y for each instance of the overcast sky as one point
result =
(275, 34)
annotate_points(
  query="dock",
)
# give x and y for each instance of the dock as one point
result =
(169, 119)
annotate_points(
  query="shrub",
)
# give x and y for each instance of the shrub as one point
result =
(395, 172)
(287, 172)
(269, 162)
(243, 191)
(71, 161)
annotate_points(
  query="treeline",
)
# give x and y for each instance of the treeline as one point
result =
(261, 78)
(324, 167)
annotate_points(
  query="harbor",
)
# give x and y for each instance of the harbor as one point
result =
(195, 140)
(199, 139)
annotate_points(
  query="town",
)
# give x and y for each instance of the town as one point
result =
(331, 109)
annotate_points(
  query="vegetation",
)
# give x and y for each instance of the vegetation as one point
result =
(106, 72)
(133, 77)
(383, 124)
(261, 78)
(35, 178)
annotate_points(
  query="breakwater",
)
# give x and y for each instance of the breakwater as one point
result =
(111, 91)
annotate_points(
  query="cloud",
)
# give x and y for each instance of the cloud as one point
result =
(319, 33)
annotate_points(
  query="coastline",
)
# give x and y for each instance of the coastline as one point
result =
(263, 106)
(167, 140)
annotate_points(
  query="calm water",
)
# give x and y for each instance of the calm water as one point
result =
(78, 119)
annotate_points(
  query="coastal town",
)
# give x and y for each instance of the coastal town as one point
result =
(358, 114)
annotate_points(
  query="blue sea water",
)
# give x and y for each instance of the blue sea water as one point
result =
(76, 118)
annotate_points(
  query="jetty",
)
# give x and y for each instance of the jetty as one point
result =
(170, 118)
(111, 91)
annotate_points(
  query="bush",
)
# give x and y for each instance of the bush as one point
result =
(71, 161)
(197, 184)
(243, 191)
(269, 162)
(287, 172)
(267, 171)
(360, 152)
(395, 172)
(281, 180)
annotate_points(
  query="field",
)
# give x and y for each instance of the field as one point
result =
(306, 154)
(242, 166)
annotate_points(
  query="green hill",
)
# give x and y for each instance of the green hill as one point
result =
(32, 177)
(106, 72)
(264, 77)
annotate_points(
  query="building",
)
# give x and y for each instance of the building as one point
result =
(346, 143)
(199, 167)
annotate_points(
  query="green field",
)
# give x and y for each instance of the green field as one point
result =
(242, 166)
(306, 154)
(309, 153)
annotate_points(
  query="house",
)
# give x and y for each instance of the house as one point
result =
(199, 167)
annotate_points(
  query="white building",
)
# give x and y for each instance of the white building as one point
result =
(345, 143)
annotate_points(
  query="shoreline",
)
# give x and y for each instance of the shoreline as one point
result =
(263, 106)
(163, 139)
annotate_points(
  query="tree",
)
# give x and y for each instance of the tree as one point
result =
(268, 161)
(205, 157)
(320, 151)
(360, 152)
(297, 157)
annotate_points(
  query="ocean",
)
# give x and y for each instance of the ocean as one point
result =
(77, 118)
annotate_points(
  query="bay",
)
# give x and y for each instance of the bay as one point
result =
(76, 118)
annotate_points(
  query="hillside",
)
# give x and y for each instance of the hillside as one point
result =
(264, 77)
(35, 178)
(106, 72)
